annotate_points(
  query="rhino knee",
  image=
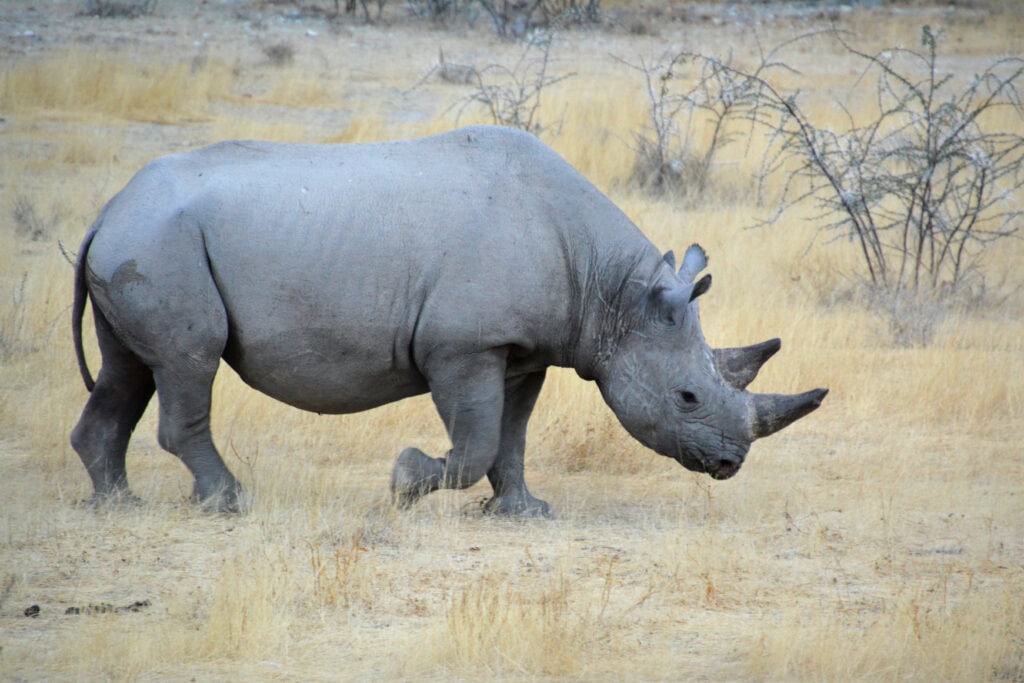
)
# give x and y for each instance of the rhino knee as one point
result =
(415, 475)
(169, 438)
(173, 436)
(462, 473)
(79, 440)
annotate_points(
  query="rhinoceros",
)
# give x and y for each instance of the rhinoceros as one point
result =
(338, 278)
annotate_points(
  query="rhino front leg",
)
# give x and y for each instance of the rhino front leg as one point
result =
(468, 392)
(511, 497)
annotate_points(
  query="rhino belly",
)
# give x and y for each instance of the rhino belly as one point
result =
(323, 374)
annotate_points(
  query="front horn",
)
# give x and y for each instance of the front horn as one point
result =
(739, 366)
(773, 412)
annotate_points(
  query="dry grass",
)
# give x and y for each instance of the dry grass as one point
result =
(113, 85)
(491, 629)
(881, 538)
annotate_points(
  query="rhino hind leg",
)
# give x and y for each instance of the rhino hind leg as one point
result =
(184, 373)
(511, 497)
(181, 339)
(184, 430)
(468, 392)
(122, 392)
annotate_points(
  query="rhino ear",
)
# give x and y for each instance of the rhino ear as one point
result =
(671, 303)
(670, 259)
(694, 260)
(702, 285)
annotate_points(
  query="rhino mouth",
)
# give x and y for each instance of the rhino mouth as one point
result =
(723, 470)
(717, 468)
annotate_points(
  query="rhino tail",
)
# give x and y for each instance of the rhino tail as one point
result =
(78, 309)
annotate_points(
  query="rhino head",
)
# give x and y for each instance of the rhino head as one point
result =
(683, 399)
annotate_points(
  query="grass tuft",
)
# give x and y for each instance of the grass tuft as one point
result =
(494, 629)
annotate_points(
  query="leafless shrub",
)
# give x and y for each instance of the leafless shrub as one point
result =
(279, 54)
(350, 8)
(922, 188)
(119, 8)
(668, 160)
(28, 224)
(563, 13)
(658, 148)
(512, 96)
(438, 11)
(517, 18)
(511, 18)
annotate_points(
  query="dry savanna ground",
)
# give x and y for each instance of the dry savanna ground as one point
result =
(881, 538)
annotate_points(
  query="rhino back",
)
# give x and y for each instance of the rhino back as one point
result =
(343, 268)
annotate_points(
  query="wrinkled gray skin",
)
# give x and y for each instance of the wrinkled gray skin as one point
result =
(337, 278)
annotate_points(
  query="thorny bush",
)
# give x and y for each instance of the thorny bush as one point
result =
(511, 97)
(925, 184)
(922, 186)
(670, 157)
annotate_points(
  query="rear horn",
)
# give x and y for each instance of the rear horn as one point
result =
(739, 366)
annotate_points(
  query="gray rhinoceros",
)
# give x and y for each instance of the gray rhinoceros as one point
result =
(337, 278)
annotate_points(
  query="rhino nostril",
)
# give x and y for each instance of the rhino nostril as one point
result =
(727, 466)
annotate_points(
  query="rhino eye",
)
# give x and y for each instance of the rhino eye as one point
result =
(686, 399)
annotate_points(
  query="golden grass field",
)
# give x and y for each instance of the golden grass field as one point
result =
(881, 538)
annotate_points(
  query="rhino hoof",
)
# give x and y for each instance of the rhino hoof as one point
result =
(119, 498)
(518, 506)
(230, 499)
(415, 475)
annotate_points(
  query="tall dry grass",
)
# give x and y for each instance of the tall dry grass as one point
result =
(917, 636)
(492, 630)
(113, 84)
(879, 539)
